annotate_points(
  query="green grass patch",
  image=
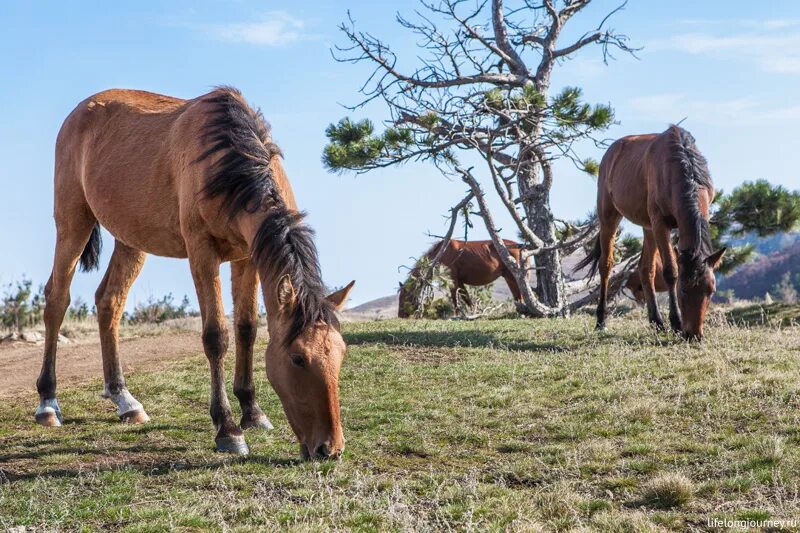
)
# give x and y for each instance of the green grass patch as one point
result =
(498, 424)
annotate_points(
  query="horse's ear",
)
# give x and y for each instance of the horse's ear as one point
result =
(715, 259)
(287, 298)
(339, 298)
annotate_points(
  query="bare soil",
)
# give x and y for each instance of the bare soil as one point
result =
(80, 360)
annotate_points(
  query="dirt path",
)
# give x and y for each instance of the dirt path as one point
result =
(81, 360)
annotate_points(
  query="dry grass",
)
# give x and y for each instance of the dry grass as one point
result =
(501, 424)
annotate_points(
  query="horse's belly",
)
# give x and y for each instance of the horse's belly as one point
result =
(141, 235)
(632, 206)
(151, 226)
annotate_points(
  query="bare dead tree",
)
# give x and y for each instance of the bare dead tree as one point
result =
(483, 87)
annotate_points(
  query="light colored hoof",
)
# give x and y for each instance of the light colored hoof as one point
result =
(135, 417)
(261, 422)
(233, 444)
(48, 413)
(48, 419)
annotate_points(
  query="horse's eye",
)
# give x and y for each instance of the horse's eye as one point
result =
(298, 361)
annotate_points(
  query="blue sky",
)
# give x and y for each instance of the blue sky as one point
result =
(730, 67)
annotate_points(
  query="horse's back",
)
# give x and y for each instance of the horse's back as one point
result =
(117, 153)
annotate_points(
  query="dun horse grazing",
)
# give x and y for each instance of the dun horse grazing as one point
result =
(471, 263)
(660, 182)
(200, 179)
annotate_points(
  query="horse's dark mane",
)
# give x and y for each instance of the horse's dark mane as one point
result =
(694, 175)
(242, 177)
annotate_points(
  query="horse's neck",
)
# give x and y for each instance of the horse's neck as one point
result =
(269, 289)
(692, 229)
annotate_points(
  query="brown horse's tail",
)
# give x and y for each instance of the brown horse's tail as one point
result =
(90, 258)
(592, 260)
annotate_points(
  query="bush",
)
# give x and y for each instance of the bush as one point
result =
(156, 311)
(21, 307)
(79, 310)
(786, 290)
(430, 293)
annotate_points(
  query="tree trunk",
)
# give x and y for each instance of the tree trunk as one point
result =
(549, 276)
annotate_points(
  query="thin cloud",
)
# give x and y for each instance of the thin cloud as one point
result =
(277, 28)
(676, 106)
(772, 45)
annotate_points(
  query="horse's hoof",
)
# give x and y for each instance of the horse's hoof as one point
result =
(49, 419)
(137, 416)
(258, 422)
(600, 326)
(233, 444)
(48, 413)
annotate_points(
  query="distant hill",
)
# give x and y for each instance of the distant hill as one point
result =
(756, 278)
(768, 245)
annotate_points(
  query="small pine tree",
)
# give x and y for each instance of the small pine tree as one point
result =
(21, 307)
(785, 290)
(752, 208)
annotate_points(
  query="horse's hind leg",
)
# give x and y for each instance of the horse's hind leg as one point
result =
(126, 264)
(245, 318)
(204, 262)
(73, 230)
(459, 295)
(511, 281)
(609, 221)
(647, 274)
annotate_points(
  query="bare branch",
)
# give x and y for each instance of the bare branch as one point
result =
(515, 63)
(520, 274)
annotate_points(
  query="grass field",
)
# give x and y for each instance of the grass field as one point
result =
(499, 424)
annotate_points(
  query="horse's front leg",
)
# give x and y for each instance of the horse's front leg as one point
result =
(647, 274)
(244, 279)
(662, 234)
(204, 262)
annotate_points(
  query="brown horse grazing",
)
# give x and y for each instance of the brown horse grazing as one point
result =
(473, 263)
(660, 182)
(200, 179)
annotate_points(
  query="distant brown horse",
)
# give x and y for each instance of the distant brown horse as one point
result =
(636, 287)
(200, 179)
(475, 263)
(660, 182)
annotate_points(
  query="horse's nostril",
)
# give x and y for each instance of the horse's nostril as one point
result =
(322, 451)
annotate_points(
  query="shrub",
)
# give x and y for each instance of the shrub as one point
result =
(79, 310)
(155, 311)
(786, 289)
(21, 307)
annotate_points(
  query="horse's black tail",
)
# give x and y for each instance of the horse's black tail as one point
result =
(592, 260)
(90, 258)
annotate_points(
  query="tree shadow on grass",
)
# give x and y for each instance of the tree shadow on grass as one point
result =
(473, 338)
(515, 341)
(141, 460)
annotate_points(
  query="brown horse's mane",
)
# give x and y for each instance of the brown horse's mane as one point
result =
(694, 173)
(242, 177)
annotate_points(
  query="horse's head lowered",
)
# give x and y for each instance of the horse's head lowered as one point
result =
(405, 306)
(696, 285)
(304, 371)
